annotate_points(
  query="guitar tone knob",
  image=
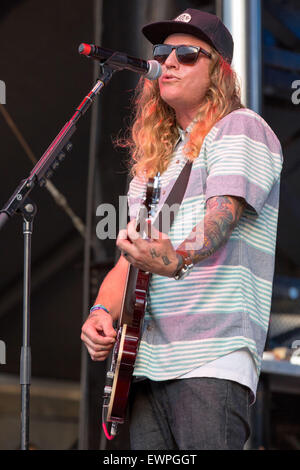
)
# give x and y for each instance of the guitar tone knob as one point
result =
(107, 390)
(109, 381)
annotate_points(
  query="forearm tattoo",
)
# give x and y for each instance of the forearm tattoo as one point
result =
(221, 218)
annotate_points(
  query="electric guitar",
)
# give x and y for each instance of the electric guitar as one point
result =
(119, 376)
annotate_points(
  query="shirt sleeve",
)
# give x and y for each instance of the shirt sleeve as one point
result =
(243, 159)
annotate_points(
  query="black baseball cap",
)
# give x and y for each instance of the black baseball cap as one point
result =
(201, 24)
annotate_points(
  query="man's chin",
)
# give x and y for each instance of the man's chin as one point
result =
(172, 101)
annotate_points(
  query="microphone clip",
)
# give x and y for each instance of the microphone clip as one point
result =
(106, 71)
(115, 67)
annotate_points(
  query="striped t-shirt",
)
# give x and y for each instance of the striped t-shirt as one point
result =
(223, 305)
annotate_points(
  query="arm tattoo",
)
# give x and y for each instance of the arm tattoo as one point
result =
(221, 218)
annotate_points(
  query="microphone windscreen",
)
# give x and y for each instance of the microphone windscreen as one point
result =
(154, 70)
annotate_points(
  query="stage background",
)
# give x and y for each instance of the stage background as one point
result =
(45, 80)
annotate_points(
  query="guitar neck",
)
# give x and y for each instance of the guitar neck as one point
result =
(136, 286)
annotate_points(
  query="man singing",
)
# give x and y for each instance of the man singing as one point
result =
(208, 303)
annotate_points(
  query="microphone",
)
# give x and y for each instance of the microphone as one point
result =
(151, 69)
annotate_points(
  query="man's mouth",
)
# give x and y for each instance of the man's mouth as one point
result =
(167, 77)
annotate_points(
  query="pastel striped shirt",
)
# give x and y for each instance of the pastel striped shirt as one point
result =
(224, 304)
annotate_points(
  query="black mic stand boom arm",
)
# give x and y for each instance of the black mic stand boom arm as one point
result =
(20, 203)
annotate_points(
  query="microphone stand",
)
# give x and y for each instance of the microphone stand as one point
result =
(19, 203)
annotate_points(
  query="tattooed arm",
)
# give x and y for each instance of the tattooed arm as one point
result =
(222, 216)
(158, 255)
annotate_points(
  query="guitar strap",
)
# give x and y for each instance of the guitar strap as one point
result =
(174, 199)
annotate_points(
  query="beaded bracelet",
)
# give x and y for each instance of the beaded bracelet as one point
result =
(98, 307)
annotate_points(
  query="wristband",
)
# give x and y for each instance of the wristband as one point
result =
(185, 268)
(98, 307)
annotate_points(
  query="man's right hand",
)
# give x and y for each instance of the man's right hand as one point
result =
(98, 334)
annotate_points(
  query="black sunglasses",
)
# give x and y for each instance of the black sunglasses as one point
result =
(187, 55)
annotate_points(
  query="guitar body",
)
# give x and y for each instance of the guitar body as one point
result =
(119, 377)
(127, 344)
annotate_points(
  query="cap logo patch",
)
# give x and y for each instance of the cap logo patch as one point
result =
(185, 17)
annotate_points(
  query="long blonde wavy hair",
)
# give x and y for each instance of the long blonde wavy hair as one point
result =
(154, 132)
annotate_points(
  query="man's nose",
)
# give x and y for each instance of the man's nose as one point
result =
(171, 60)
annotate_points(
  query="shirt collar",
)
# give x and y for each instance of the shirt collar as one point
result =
(183, 133)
